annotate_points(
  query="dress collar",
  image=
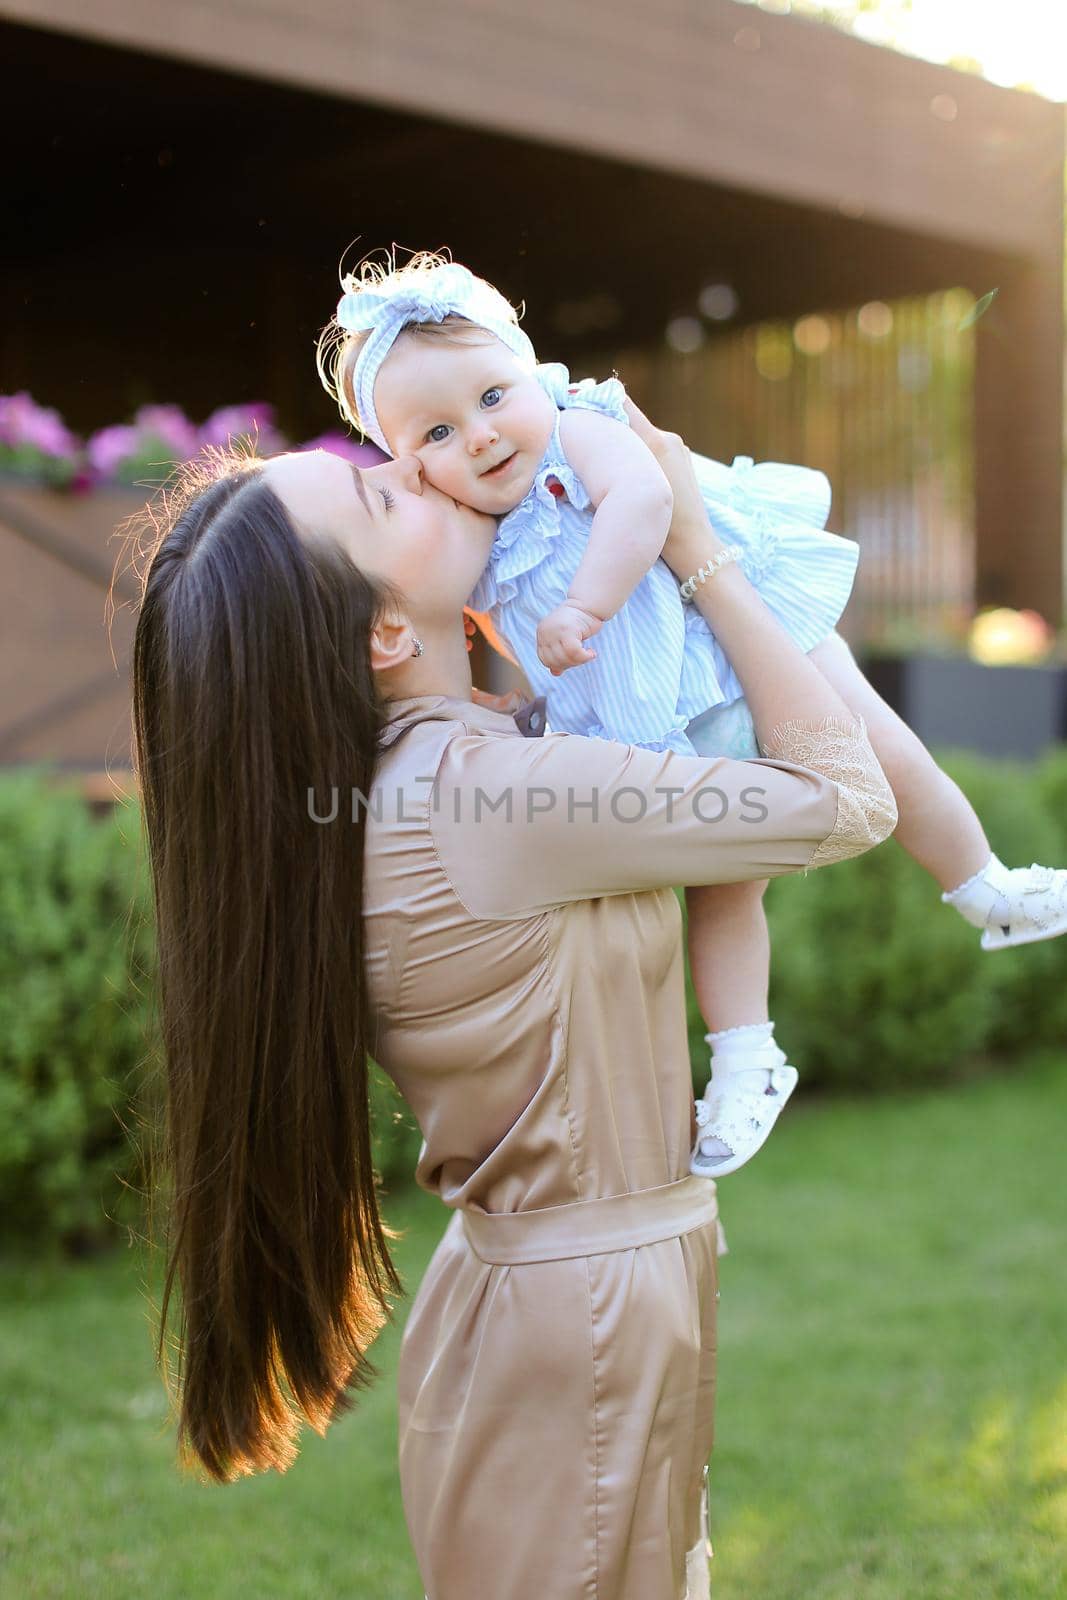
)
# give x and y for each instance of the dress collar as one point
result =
(400, 714)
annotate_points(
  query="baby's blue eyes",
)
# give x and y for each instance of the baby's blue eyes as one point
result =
(491, 397)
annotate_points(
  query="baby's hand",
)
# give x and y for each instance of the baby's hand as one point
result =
(560, 637)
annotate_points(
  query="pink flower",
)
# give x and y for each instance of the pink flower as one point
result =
(11, 410)
(171, 427)
(339, 444)
(23, 422)
(110, 447)
(254, 421)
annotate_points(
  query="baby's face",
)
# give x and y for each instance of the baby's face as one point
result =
(477, 420)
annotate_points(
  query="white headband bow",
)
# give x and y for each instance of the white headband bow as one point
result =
(443, 291)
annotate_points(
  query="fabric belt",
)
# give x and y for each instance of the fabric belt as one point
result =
(591, 1227)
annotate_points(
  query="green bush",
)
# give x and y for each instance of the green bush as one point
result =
(72, 1033)
(1025, 815)
(875, 983)
(78, 1047)
(396, 1137)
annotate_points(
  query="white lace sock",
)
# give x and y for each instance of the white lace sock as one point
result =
(751, 1045)
(1013, 905)
(736, 1049)
(975, 899)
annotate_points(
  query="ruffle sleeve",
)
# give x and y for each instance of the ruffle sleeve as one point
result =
(586, 395)
(777, 513)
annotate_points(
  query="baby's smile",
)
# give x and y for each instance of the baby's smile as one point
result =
(477, 419)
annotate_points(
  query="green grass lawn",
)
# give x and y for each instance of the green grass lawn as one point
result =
(893, 1389)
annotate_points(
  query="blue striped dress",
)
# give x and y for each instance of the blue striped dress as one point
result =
(661, 680)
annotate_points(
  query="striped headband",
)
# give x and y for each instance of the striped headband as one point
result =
(449, 290)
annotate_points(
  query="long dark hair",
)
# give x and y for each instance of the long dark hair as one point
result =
(252, 686)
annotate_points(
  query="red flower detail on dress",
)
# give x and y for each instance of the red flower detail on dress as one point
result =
(555, 487)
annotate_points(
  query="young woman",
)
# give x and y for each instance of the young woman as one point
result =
(352, 857)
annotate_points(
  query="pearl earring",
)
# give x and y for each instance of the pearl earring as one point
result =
(418, 648)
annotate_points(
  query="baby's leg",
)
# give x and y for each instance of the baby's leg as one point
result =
(729, 958)
(939, 828)
(729, 953)
(937, 824)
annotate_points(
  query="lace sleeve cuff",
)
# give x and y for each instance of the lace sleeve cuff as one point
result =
(866, 809)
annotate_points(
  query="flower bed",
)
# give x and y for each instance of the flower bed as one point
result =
(36, 446)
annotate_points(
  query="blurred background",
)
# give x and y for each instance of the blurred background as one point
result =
(830, 234)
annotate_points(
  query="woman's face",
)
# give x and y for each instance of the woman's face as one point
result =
(392, 523)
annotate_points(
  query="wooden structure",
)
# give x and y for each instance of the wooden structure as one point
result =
(67, 632)
(204, 164)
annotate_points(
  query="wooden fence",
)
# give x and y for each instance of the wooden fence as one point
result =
(881, 400)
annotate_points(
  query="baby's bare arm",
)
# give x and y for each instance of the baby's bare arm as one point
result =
(633, 503)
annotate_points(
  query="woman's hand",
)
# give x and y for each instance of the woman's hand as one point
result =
(691, 540)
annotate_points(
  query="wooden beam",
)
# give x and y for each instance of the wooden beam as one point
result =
(51, 541)
(57, 709)
(775, 105)
(1018, 443)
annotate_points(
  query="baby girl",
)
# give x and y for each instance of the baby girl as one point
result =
(429, 360)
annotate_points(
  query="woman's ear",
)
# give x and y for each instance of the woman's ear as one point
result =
(392, 642)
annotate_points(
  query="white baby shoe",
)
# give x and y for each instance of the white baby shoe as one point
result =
(738, 1109)
(1013, 905)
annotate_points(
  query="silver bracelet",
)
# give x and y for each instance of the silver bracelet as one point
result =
(688, 589)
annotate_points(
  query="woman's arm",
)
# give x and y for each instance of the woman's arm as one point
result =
(522, 825)
(797, 715)
(633, 513)
(780, 682)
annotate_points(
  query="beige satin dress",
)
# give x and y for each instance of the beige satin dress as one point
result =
(557, 1372)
